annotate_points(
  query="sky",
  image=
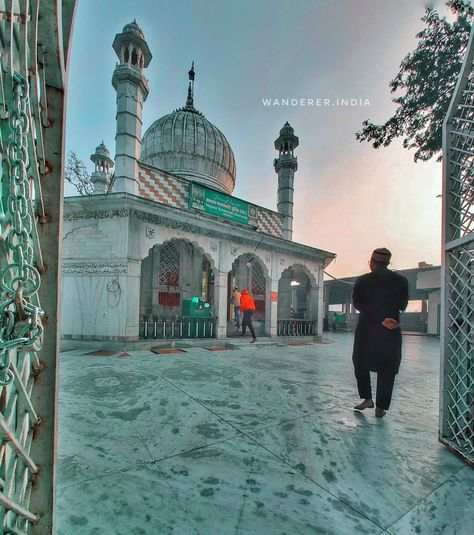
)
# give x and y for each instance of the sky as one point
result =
(349, 197)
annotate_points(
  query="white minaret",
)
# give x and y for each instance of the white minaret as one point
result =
(286, 165)
(103, 164)
(132, 90)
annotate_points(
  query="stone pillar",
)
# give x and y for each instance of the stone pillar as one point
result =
(348, 311)
(424, 315)
(155, 280)
(320, 289)
(326, 294)
(433, 304)
(271, 321)
(146, 285)
(131, 295)
(353, 318)
(313, 300)
(284, 298)
(220, 302)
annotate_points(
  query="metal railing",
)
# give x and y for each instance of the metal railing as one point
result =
(34, 43)
(294, 327)
(180, 328)
(457, 328)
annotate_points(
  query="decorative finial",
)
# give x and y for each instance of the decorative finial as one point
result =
(190, 99)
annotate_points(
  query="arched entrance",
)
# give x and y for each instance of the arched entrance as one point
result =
(297, 309)
(176, 283)
(250, 273)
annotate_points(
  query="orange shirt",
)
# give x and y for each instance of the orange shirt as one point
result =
(246, 302)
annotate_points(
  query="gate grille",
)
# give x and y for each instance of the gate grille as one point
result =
(457, 360)
(34, 40)
(459, 373)
(258, 280)
(258, 290)
(168, 289)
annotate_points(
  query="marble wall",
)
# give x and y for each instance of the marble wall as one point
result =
(102, 265)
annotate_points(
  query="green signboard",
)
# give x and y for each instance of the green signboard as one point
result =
(222, 205)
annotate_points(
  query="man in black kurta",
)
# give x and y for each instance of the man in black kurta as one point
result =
(378, 296)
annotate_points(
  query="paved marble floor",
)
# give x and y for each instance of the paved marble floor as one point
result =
(261, 439)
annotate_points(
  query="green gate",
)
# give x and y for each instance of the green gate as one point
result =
(34, 46)
(457, 331)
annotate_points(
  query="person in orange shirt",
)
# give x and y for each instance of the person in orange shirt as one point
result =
(247, 307)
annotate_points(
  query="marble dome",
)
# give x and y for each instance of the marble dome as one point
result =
(185, 143)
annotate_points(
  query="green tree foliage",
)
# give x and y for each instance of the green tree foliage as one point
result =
(427, 76)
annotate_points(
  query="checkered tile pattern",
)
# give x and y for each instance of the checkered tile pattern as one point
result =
(269, 222)
(159, 187)
(165, 189)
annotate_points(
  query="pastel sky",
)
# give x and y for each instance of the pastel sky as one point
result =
(349, 197)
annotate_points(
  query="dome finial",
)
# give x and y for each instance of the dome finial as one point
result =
(191, 73)
(190, 99)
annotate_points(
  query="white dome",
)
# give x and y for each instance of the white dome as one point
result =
(187, 144)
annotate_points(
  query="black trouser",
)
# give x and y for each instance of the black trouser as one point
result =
(247, 322)
(384, 386)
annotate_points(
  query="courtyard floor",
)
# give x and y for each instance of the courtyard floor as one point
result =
(261, 439)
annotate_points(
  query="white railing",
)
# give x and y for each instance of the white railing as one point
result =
(156, 329)
(296, 327)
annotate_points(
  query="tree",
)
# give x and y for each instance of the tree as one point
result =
(75, 173)
(428, 75)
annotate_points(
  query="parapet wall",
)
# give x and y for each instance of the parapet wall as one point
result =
(171, 190)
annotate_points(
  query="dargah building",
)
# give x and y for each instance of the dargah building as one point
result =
(155, 252)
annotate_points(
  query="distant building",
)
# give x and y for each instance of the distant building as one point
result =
(165, 228)
(424, 285)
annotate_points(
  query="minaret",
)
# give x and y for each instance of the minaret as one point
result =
(286, 165)
(132, 90)
(103, 163)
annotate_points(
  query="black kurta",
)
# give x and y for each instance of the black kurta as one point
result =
(378, 295)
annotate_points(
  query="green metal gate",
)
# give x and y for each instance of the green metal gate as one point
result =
(34, 46)
(457, 329)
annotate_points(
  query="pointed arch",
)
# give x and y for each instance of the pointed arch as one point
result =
(297, 294)
(172, 271)
(250, 272)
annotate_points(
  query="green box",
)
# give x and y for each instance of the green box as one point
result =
(195, 307)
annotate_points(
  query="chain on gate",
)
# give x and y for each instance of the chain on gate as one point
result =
(20, 318)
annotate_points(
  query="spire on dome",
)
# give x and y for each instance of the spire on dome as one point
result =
(190, 99)
(191, 73)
